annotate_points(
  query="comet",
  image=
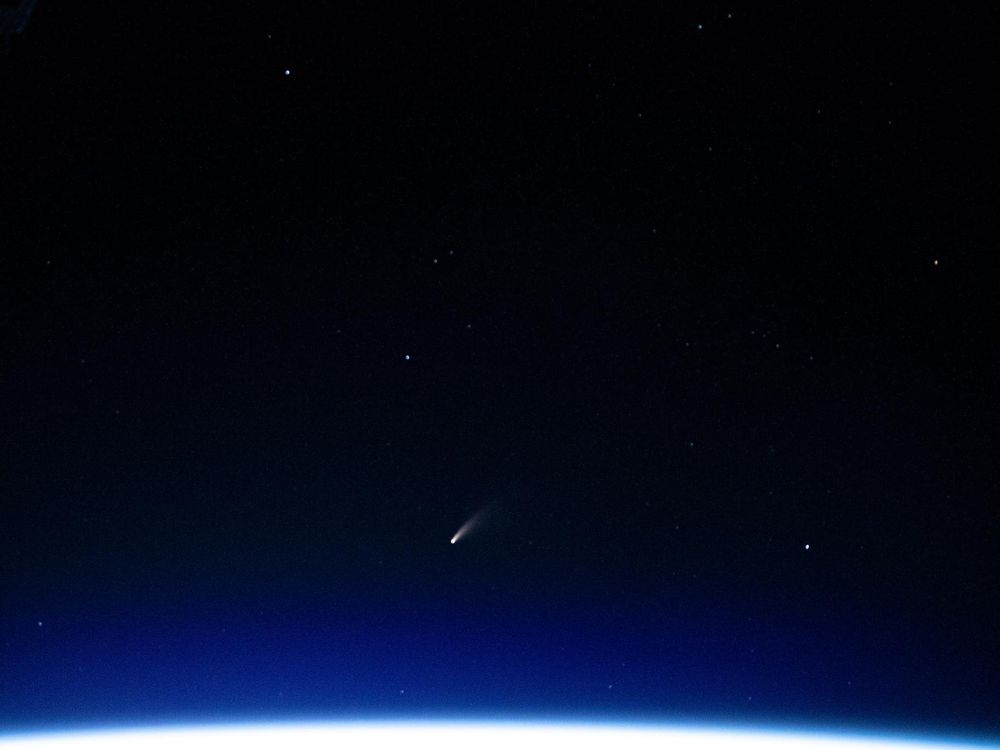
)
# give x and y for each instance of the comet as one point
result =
(473, 524)
(465, 528)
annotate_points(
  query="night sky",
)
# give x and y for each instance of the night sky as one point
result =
(696, 308)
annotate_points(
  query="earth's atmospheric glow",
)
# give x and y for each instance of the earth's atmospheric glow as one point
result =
(459, 736)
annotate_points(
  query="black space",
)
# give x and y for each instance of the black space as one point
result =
(699, 303)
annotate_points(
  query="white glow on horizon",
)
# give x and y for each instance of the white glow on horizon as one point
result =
(458, 736)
